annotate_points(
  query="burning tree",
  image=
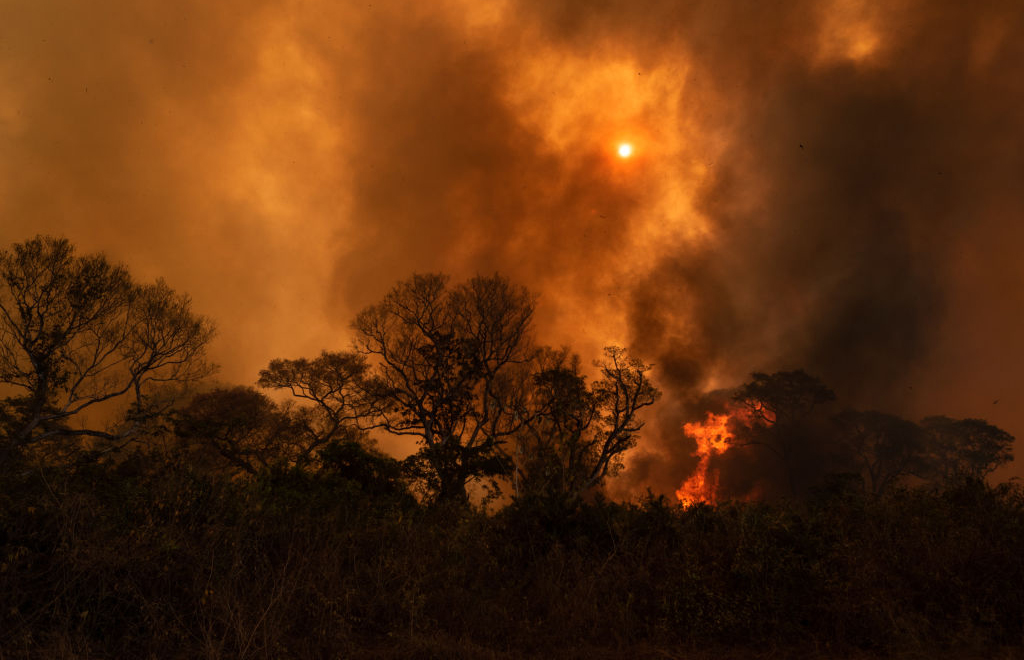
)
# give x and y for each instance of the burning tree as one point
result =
(778, 411)
(772, 412)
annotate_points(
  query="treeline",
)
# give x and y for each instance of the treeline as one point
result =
(787, 434)
(454, 366)
(226, 524)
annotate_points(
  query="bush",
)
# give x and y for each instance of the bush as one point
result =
(149, 558)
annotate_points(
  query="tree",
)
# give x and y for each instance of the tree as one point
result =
(778, 409)
(783, 398)
(76, 332)
(375, 473)
(449, 369)
(243, 430)
(958, 448)
(335, 385)
(575, 435)
(885, 448)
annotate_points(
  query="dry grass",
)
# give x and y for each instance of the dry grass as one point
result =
(157, 561)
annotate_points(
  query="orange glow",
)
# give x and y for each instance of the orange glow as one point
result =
(712, 436)
(625, 150)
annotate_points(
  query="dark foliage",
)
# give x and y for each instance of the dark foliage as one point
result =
(149, 558)
(791, 440)
(333, 385)
(574, 436)
(239, 429)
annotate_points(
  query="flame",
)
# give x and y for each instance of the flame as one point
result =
(712, 436)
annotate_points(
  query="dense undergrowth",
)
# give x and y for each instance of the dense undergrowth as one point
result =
(151, 559)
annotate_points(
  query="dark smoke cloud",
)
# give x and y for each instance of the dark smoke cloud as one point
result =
(833, 186)
(841, 201)
(450, 178)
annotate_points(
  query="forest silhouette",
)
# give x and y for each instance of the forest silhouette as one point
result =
(146, 511)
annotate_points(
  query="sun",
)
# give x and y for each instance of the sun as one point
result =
(625, 150)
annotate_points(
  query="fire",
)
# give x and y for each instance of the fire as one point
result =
(712, 436)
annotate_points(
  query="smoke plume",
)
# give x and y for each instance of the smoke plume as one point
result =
(830, 186)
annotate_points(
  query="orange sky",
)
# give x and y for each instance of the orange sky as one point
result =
(833, 186)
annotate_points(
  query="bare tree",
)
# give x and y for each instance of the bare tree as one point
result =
(448, 368)
(76, 332)
(622, 391)
(576, 435)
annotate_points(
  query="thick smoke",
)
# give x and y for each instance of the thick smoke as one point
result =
(839, 205)
(833, 186)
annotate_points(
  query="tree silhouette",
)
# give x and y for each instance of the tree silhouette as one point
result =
(576, 435)
(334, 383)
(240, 430)
(784, 397)
(77, 331)
(449, 369)
(778, 411)
(884, 448)
(964, 448)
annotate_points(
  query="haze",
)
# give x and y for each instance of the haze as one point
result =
(834, 186)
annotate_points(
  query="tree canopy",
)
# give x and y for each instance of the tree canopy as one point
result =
(333, 384)
(77, 331)
(576, 435)
(784, 414)
(448, 369)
